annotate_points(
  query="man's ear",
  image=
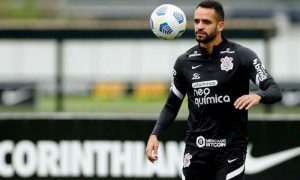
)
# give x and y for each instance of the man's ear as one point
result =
(220, 26)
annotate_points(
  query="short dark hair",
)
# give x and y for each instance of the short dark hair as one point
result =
(217, 6)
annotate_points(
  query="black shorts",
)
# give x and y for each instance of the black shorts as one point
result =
(220, 164)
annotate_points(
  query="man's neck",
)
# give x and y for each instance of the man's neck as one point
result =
(210, 45)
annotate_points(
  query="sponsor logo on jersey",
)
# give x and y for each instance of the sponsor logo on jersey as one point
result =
(196, 53)
(232, 160)
(187, 160)
(196, 76)
(205, 98)
(195, 67)
(226, 64)
(261, 72)
(203, 84)
(227, 51)
(202, 142)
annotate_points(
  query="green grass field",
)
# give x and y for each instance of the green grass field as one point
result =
(122, 105)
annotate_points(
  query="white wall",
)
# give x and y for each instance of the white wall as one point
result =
(129, 60)
(26, 60)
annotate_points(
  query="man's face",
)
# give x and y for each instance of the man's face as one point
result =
(206, 24)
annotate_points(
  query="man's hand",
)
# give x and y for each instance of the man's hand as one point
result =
(151, 149)
(247, 101)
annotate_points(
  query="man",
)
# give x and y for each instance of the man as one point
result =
(215, 76)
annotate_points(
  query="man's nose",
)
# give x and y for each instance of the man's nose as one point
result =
(200, 26)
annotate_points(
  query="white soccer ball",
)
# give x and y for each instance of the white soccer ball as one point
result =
(168, 22)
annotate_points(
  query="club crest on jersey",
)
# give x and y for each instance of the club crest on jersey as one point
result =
(226, 64)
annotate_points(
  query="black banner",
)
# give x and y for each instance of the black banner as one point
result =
(115, 149)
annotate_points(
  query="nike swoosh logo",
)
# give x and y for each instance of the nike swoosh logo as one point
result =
(194, 67)
(231, 160)
(14, 97)
(256, 165)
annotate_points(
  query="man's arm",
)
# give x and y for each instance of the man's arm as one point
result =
(247, 101)
(166, 117)
(269, 91)
(170, 110)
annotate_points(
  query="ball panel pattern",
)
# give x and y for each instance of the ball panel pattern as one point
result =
(165, 28)
(162, 11)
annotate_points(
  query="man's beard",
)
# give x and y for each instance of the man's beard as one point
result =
(207, 39)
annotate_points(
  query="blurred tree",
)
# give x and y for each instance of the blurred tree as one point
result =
(27, 9)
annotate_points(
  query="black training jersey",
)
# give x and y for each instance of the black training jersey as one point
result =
(212, 83)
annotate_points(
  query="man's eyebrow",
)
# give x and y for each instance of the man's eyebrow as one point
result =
(202, 19)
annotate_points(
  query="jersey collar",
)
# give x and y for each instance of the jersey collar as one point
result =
(216, 49)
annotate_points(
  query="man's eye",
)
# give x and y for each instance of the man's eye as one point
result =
(206, 22)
